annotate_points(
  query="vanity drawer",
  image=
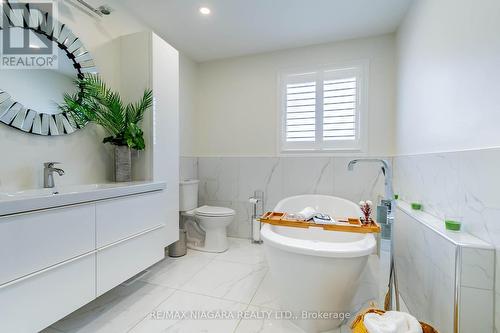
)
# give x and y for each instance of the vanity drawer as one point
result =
(33, 241)
(120, 218)
(119, 262)
(31, 304)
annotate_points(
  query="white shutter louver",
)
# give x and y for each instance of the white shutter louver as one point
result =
(339, 109)
(301, 112)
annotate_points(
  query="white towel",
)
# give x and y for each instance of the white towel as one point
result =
(306, 214)
(392, 322)
(323, 219)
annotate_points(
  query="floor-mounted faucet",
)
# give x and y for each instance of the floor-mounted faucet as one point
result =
(48, 174)
(387, 170)
(389, 202)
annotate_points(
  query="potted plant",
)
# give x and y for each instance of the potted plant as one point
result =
(96, 102)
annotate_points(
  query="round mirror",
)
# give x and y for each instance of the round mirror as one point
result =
(48, 58)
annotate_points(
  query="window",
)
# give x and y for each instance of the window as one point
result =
(321, 110)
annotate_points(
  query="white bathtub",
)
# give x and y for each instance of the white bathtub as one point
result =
(315, 270)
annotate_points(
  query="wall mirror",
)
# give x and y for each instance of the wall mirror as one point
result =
(29, 98)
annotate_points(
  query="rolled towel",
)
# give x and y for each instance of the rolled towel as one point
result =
(306, 214)
(391, 322)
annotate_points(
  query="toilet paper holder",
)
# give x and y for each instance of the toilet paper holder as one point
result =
(257, 202)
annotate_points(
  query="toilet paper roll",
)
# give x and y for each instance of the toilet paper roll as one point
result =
(253, 201)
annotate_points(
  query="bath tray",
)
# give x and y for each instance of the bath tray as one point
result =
(349, 225)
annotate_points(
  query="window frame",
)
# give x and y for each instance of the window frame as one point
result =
(360, 70)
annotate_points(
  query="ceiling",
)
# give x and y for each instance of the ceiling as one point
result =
(240, 27)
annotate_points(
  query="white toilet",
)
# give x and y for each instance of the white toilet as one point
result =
(205, 225)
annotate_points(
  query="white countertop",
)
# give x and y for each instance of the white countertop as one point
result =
(30, 200)
(460, 238)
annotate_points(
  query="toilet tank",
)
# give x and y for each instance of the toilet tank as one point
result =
(188, 194)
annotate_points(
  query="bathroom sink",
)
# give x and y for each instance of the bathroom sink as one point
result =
(34, 199)
(26, 194)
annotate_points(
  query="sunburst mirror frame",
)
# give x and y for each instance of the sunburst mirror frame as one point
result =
(12, 112)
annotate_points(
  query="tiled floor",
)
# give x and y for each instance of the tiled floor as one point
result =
(236, 280)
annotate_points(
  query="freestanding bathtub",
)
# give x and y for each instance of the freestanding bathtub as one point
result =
(316, 272)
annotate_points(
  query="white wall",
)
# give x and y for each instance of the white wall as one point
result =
(448, 113)
(237, 107)
(188, 78)
(84, 157)
(449, 69)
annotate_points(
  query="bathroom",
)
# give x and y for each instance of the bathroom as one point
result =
(164, 236)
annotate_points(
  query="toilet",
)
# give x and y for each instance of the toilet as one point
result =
(205, 225)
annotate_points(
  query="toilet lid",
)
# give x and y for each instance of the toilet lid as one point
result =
(214, 211)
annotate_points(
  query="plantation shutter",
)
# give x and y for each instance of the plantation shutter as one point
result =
(321, 110)
(300, 111)
(339, 109)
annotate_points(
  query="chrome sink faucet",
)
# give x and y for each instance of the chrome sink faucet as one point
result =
(48, 174)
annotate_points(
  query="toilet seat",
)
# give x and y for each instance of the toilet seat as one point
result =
(213, 211)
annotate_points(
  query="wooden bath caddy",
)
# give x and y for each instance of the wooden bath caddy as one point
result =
(349, 224)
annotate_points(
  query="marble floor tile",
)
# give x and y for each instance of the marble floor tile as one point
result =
(175, 272)
(243, 251)
(116, 311)
(185, 307)
(228, 280)
(269, 323)
(266, 295)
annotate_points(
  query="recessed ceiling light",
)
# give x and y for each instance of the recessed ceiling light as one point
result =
(205, 10)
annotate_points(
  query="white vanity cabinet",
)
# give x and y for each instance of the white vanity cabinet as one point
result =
(118, 262)
(30, 304)
(30, 242)
(118, 218)
(140, 216)
(55, 260)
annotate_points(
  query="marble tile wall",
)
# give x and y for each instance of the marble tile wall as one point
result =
(464, 185)
(427, 266)
(188, 167)
(230, 181)
(425, 269)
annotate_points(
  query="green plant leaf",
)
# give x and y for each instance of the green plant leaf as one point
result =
(96, 102)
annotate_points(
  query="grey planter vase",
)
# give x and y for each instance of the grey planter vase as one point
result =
(123, 164)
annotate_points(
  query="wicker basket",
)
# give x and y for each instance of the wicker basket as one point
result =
(359, 327)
